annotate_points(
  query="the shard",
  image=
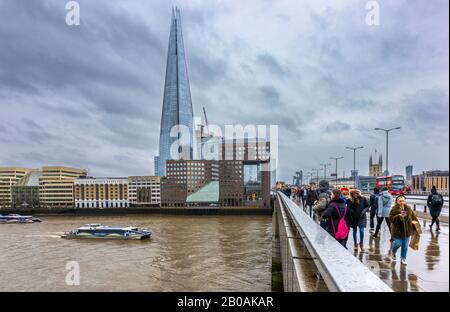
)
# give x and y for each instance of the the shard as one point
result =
(177, 111)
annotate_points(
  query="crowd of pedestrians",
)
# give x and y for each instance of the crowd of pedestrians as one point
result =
(341, 211)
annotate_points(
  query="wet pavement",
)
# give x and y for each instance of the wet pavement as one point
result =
(427, 269)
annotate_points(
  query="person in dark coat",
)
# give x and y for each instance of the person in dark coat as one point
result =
(303, 196)
(322, 202)
(401, 218)
(311, 199)
(336, 208)
(373, 202)
(435, 202)
(358, 206)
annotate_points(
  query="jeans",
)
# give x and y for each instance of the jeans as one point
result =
(310, 210)
(303, 202)
(361, 235)
(403, 243)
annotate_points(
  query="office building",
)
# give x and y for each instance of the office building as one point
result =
(144, 190)
(25, 193)
(56, 186)
(101, 192)
(9, 176)
(427, 179)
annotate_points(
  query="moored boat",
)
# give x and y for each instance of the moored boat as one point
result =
(16, 218)
(108, 232)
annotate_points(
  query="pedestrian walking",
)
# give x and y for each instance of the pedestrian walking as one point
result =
(311, 199)
(304, 195)
(358, 206)
(385, 201)
(322, 202)
(435, 202)
(338, 218)
(373, 202)
(402, 228)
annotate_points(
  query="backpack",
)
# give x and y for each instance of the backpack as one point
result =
(342, 229)
(436, 200)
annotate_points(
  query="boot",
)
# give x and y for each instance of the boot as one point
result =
(361, 245)
(355, 248)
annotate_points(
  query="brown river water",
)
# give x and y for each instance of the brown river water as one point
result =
(185, 253)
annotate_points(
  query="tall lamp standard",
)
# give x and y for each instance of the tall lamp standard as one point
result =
(310, 175)
(336, 159)
(354, 161)
(317, 174)
(325, 170)
(387, 145)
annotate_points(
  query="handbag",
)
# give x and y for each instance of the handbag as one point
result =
(415, 241)
(417, 227)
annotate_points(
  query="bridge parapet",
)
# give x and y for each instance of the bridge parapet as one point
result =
(300, 238)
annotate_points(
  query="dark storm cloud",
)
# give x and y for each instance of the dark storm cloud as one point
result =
(207, 72)
(270, 62)
(338, 126)
(270, 95)
(426, 114)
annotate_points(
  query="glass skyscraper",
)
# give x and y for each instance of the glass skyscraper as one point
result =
(177, 112)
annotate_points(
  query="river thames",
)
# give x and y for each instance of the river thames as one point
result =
(185, 253)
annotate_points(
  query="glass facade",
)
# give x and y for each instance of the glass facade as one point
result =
(177, 104)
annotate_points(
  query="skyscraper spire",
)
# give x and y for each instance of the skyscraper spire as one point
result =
(177, 111)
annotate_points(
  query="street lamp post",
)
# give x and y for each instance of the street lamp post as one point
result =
(325, 170)
(387, 145)
(354, 161)
(310, 175)
(317, 174)
(336, 159)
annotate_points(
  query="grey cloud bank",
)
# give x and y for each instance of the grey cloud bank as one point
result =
(91, 95)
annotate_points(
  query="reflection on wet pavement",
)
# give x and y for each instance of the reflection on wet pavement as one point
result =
(427, 269)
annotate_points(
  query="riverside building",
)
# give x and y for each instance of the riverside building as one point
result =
(144, 191)
(25, 193)
(101, 193)
(9, 176)
(56, 186)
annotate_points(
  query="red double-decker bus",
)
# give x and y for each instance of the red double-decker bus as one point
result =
(395, 183)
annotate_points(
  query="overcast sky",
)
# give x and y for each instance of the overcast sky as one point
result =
(91, 95)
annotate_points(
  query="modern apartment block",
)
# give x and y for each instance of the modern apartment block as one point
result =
(25, 193)
(245, 150)
(101, 193)
(224, 183)
(144, 190)
(56, 186)
(184, 177)
(9, 176)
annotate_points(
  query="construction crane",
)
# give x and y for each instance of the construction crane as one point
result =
(206, 121)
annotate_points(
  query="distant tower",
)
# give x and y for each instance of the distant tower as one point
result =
(376, 169)
(409, 174)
